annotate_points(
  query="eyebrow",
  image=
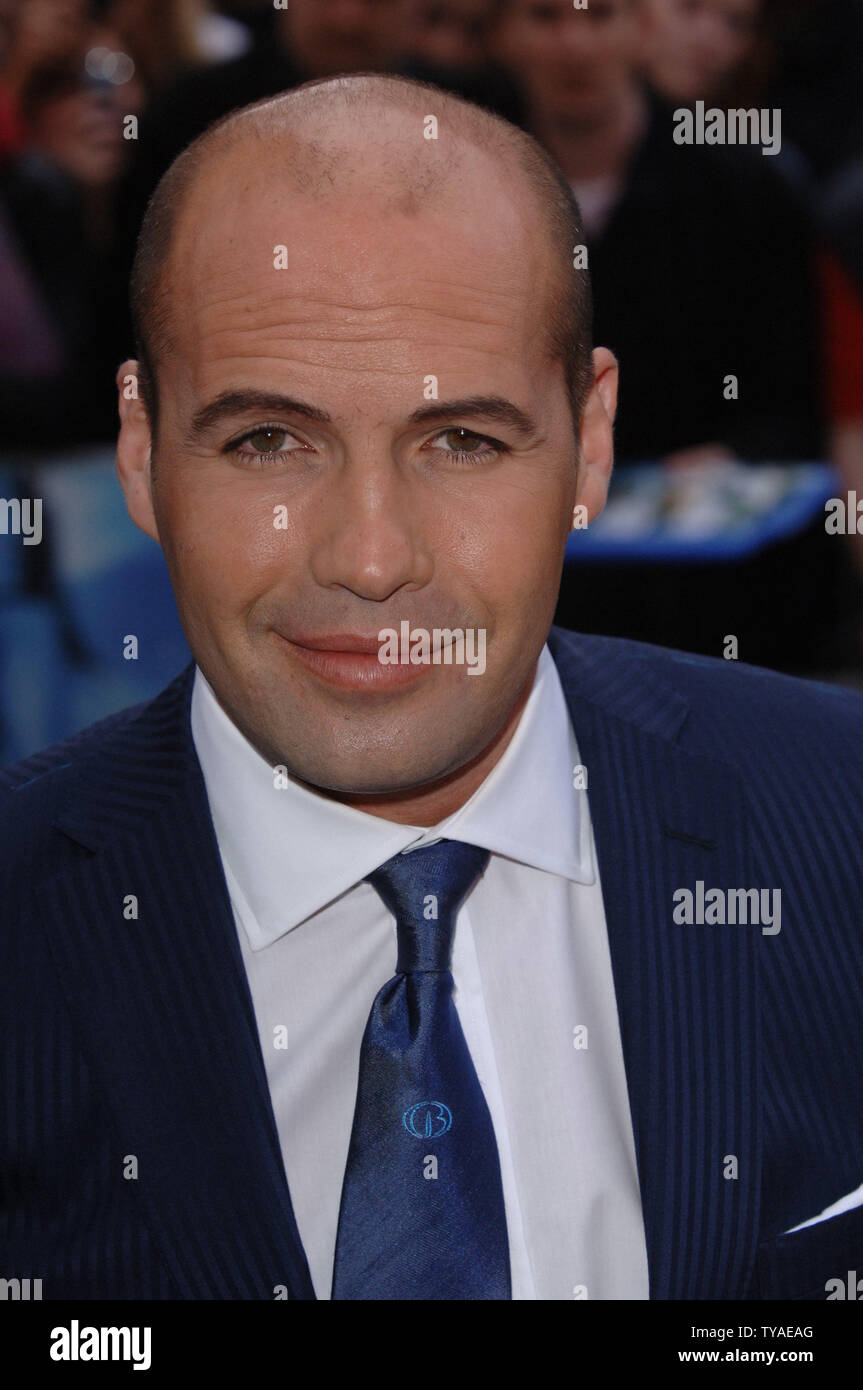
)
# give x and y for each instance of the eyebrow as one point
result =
(232, 403)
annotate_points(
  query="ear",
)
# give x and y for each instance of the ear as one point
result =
(134, 451)
(596, 455)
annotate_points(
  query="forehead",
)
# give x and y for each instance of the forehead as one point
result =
(374, 281)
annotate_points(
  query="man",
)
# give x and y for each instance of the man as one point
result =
(377, 980)
(695, 251)
(698, 256)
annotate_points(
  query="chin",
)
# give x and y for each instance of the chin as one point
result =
(374, 771)
(365, 776)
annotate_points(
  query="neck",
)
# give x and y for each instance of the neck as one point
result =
(591, 147)
(426, 806)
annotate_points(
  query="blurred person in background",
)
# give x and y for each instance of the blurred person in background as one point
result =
(447, 42)
(801, 56)
(450, 33)
(702, 262)
(746, 52)
(712, 50)
(63, 313)
(63, 304)
(73, 74)
(33, 34)
(705, 266)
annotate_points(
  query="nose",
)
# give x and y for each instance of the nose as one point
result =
(369, 537)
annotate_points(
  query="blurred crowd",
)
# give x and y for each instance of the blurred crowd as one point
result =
(706, 260)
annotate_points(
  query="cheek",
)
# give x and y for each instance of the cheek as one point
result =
(515, 555)
(225, 538)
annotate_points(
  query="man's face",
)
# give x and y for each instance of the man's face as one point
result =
(332, 36)
(695, 45)
(283, 532)
(570, 63)
(449, 33)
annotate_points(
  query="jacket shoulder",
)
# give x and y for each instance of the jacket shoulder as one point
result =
(732, 705)
(62, 755)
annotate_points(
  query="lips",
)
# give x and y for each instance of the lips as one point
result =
(350, 661)
(338, 642)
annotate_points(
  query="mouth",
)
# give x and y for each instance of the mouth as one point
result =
(350, 661)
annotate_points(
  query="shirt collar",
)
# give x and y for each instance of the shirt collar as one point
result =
(289, 851)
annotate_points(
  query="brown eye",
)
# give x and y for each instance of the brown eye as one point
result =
(266, 440)
(461, 440)
(264, 447)
(460, 445)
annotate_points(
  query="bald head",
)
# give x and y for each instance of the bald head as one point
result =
(361, 142)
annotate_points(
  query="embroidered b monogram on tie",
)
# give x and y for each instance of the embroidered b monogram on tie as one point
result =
(422, 1214)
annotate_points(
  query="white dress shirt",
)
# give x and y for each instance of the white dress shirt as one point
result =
(533, 984)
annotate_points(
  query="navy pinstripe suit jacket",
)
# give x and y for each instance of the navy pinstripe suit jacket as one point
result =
(137, 1039)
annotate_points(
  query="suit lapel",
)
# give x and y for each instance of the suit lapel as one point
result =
(163, 1009)
(664, 818)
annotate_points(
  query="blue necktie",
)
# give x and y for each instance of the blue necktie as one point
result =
(422, 1214)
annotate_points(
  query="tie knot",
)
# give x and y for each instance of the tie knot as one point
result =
(424, 890)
